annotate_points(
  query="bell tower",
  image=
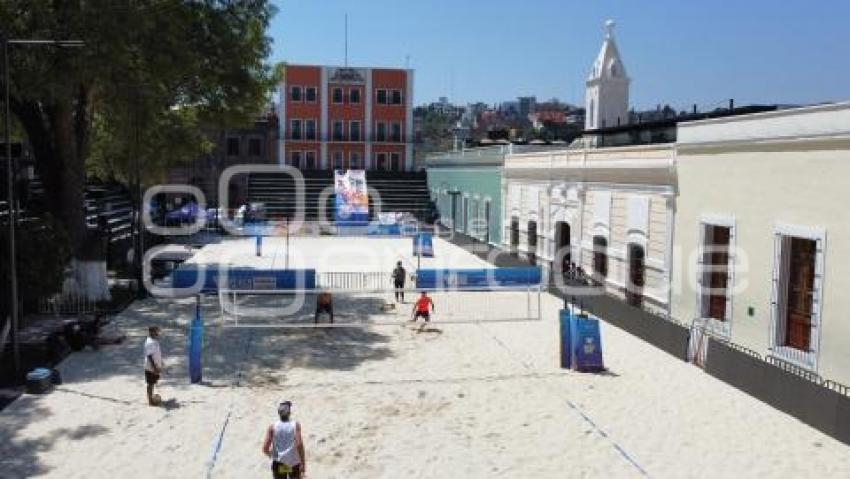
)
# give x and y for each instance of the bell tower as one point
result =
(607, 87)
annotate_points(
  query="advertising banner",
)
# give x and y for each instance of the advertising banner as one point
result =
(352, 198)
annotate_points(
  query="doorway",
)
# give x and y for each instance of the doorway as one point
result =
(563, 254)
(514, 235)
(637, 275)
(800, 294)
(532, 242)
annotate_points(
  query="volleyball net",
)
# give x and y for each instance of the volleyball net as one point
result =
(363, 299)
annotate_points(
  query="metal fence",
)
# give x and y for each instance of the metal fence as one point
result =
(355, 281)
(61, 305)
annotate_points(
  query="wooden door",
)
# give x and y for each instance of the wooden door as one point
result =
(800, 297)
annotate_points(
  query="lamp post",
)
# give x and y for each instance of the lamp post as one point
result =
(10, 184)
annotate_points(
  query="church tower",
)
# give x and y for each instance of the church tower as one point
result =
(607, 93)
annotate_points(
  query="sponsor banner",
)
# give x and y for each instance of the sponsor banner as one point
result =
(477, 278)
(243, 278)
(423, 245)
(352, 197)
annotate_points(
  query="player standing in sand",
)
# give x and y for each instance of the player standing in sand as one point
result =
(423, 307)
(153, 363)
(398, 282)
(284, 446)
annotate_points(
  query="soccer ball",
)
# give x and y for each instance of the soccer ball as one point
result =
(157, 399)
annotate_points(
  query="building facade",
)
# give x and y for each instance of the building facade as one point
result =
(607, 210)
(466, 187)
(346, 118)
(763, 233)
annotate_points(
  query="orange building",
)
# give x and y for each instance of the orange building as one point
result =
(346, 118)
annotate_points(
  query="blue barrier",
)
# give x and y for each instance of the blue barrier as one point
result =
(478, 278)
(423, 245)
(243, 278)
(377, 229)
(196, 345)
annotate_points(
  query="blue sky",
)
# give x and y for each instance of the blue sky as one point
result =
(678, 52)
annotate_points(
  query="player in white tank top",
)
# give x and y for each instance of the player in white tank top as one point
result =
(284, 446)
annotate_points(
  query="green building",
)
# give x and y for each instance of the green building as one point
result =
(466, 185)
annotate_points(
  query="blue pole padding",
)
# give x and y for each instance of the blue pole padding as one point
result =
(566, 344)
(196, 344)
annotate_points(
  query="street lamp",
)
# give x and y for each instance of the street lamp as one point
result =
(10, 184)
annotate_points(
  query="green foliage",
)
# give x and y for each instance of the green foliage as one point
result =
(154, 69)
(39, 274)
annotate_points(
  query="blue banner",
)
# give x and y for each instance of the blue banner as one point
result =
(423, 245)
(196, 344)
(587, 344)
(477, 278)
(352, 198)
(243, 278)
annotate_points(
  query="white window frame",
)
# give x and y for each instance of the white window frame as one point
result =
(378, 162)
(315, 163)
(721, 328)
(315, 129)
(359, 96)
(392, 137)
(341, 130)
(807, 360)
(341, 95)
(337, 154)
(378, 124)
(300, 93)
(392, 96)
(390, 158)
(315, 94)
(352, 162)
(300, 158)
(359, 130)
(386, 96)
(300, 123)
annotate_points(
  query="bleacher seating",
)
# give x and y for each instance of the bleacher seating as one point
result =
(398, 192)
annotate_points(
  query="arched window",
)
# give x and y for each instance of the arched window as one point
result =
(600, 257)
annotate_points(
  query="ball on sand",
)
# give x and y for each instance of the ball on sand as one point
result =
(157, 399)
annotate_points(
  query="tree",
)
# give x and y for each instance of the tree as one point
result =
(150, 67)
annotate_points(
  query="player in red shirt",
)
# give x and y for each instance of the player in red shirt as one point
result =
(422, 307)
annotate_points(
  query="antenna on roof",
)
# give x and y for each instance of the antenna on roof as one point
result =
(346, 39)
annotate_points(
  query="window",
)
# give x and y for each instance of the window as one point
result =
(396, 132)
(337, 95)
(395, 162)
(310, 94)
(637, 274)
(381, 131)
(354, 96)
(380, 161)
(310, 129)
(310, 160)
(600, 257)
(233, 147)
(255, 147)
(382, 97)
(797, 294)
(354, 131)
(713, 278)
(514, 234)
(295, 159)
(337, 156)
(295, 93)
(354, 161)
(396, 97)
(295, 129)
(338, 134)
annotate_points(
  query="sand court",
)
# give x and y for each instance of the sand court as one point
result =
(458, 400)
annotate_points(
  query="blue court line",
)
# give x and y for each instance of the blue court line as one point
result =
(577, 409)
(218, 444)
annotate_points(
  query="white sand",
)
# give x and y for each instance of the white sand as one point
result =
(385, 402)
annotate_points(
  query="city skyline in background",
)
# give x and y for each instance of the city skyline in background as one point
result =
(677, 53)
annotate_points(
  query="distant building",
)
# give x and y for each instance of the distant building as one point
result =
(346, 118)
(527, 105)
